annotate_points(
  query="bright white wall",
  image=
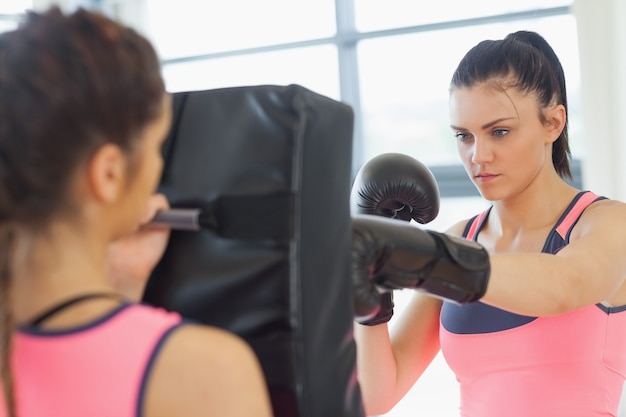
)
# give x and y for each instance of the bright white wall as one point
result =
(602, 39)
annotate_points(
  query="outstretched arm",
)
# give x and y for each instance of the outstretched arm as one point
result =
(589, 270)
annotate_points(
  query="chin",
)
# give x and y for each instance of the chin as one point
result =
(490, 194)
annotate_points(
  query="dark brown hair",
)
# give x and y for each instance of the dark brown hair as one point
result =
(527, 59)
(69, 83)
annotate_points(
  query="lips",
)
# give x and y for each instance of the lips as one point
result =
(485, 176)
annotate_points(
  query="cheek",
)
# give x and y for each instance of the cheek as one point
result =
(465, 153)
(528, 149)
(156, 168)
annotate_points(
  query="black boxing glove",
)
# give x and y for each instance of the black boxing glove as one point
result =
(396, 186)
(388, 255)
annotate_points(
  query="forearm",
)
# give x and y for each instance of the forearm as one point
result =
(390, 361)
(540, 284)
(376, 367)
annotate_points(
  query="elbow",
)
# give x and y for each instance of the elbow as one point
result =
(376, 408)
(563, 303)
(569, 298)
(376, 402)
(574, 288)
(569, 290)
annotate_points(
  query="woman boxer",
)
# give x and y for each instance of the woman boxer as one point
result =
(83, 114)
(547, 337)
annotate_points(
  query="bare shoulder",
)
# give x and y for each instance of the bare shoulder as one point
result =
(203, 371)
(596, 249)
(604, 216)
(458, 228)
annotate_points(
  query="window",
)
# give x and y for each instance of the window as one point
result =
(392, 61)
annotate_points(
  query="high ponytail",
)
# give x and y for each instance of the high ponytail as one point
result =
(561, 153)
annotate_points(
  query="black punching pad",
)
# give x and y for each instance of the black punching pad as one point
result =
(272, 167)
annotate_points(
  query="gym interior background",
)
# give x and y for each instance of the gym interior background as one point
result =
(391, 61)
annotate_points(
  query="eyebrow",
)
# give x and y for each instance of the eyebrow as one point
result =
(487, 125)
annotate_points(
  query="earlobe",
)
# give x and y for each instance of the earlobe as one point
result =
(106, 171)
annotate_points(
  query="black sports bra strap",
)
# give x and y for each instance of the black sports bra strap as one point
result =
(65, 304)
(468, 226)
(474, 225)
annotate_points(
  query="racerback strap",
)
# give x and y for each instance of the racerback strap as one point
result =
(564, 226)
(567, 223)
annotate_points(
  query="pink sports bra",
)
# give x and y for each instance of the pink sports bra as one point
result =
(96, 370)
(569, 365)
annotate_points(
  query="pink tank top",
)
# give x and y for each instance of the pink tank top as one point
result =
(569, 365)
(97, 370)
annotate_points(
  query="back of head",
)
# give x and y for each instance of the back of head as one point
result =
(68, 84)
(523, 60)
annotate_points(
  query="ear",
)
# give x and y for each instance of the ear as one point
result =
(556, 117)
(107, 173)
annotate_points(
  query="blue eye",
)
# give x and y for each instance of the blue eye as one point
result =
(500, 132)
(462, 136)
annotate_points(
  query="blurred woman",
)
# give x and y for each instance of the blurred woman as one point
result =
(83, 114)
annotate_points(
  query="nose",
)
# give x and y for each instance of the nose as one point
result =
(482, 151)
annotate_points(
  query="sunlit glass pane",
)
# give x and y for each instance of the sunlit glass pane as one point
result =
(6, 25)
(11, 12)
(379, 15)
(191, 27)
(14, 6)
(314, 68)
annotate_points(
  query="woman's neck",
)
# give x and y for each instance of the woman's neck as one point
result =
(539, 206)
(54, 266)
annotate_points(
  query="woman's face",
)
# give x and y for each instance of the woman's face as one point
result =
(501, 139)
